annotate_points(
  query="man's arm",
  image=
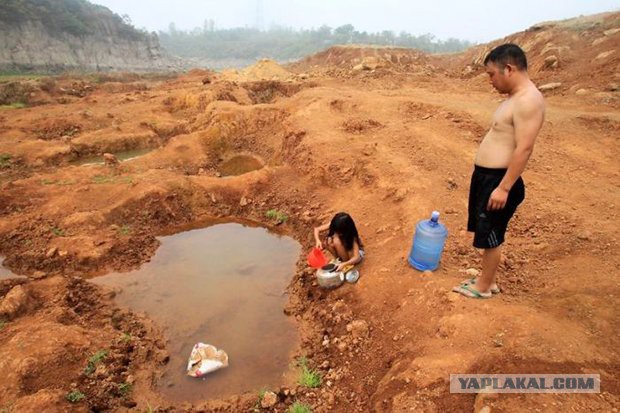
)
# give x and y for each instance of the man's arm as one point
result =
(527, 119)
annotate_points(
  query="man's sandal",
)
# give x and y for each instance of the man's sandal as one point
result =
(468, 291)
(472, 281)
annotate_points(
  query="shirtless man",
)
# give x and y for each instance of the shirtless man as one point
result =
(496, 185)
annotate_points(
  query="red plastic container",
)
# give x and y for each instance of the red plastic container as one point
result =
(316, 258)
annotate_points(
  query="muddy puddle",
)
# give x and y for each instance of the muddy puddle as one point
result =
(122, 156)
(222, 285)
(5, 273)
(239, 165)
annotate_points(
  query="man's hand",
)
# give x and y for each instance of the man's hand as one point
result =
(498, 199)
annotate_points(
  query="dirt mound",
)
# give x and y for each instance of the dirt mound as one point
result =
(581, 54)
(264, 69)
(364, 58)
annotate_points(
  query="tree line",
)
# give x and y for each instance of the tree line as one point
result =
(283, 43)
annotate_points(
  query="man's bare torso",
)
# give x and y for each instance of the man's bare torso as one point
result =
(498, 144)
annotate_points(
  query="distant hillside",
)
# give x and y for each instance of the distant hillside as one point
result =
(53, 35)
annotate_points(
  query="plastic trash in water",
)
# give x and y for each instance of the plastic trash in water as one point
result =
(428, 242)
(204, 359)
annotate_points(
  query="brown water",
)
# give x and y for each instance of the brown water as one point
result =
(223, 285)
(5, 273)
(240, 164)
(122, 156)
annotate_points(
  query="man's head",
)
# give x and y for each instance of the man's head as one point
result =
(505, 54)
(505, 65)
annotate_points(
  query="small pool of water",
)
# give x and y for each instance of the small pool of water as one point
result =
(5, 273)
(223, 285)
(239, 165)
(122, 156)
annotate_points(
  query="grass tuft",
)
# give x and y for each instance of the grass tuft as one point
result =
(57, 232)
(5, 160)
(75, 396)
(95, 359)
(299, 407)
(308, 377)
(125, 388)
(279, 216)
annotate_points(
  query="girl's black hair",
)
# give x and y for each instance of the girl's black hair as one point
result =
(343, 225)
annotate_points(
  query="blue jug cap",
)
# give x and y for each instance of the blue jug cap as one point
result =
(435, 216)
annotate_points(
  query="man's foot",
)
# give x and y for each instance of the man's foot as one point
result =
(472, 281)
(471, 292)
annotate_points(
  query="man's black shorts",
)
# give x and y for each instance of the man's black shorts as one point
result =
(489, 227)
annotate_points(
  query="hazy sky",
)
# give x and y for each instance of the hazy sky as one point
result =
(474, 20)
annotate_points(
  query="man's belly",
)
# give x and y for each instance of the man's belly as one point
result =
(493, 154)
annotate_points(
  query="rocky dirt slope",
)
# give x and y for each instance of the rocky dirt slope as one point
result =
(59, 35)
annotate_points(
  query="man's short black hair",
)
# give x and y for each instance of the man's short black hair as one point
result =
(507, 53)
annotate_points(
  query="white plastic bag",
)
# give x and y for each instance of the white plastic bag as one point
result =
(204, 359)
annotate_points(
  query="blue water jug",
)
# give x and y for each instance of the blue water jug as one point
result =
(428, 242)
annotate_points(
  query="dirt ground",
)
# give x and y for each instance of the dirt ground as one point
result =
(384, 135)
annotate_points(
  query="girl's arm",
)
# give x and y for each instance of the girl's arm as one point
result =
(317, 238)
(355, 257)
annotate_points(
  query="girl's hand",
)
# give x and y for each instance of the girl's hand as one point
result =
(319, 244)
(340, 266)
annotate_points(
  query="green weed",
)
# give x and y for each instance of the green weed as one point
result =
(108, 179)
(75, 396)
(298, 407)
(5, 160)
(308, 377)
(16, 105)
(125, 388)
(57, 232)
(102, 179)
(65, 182)
(94, 360)
(2, 324)
(61, 182)
(124, 231)
(261, 395)
(279, 216)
